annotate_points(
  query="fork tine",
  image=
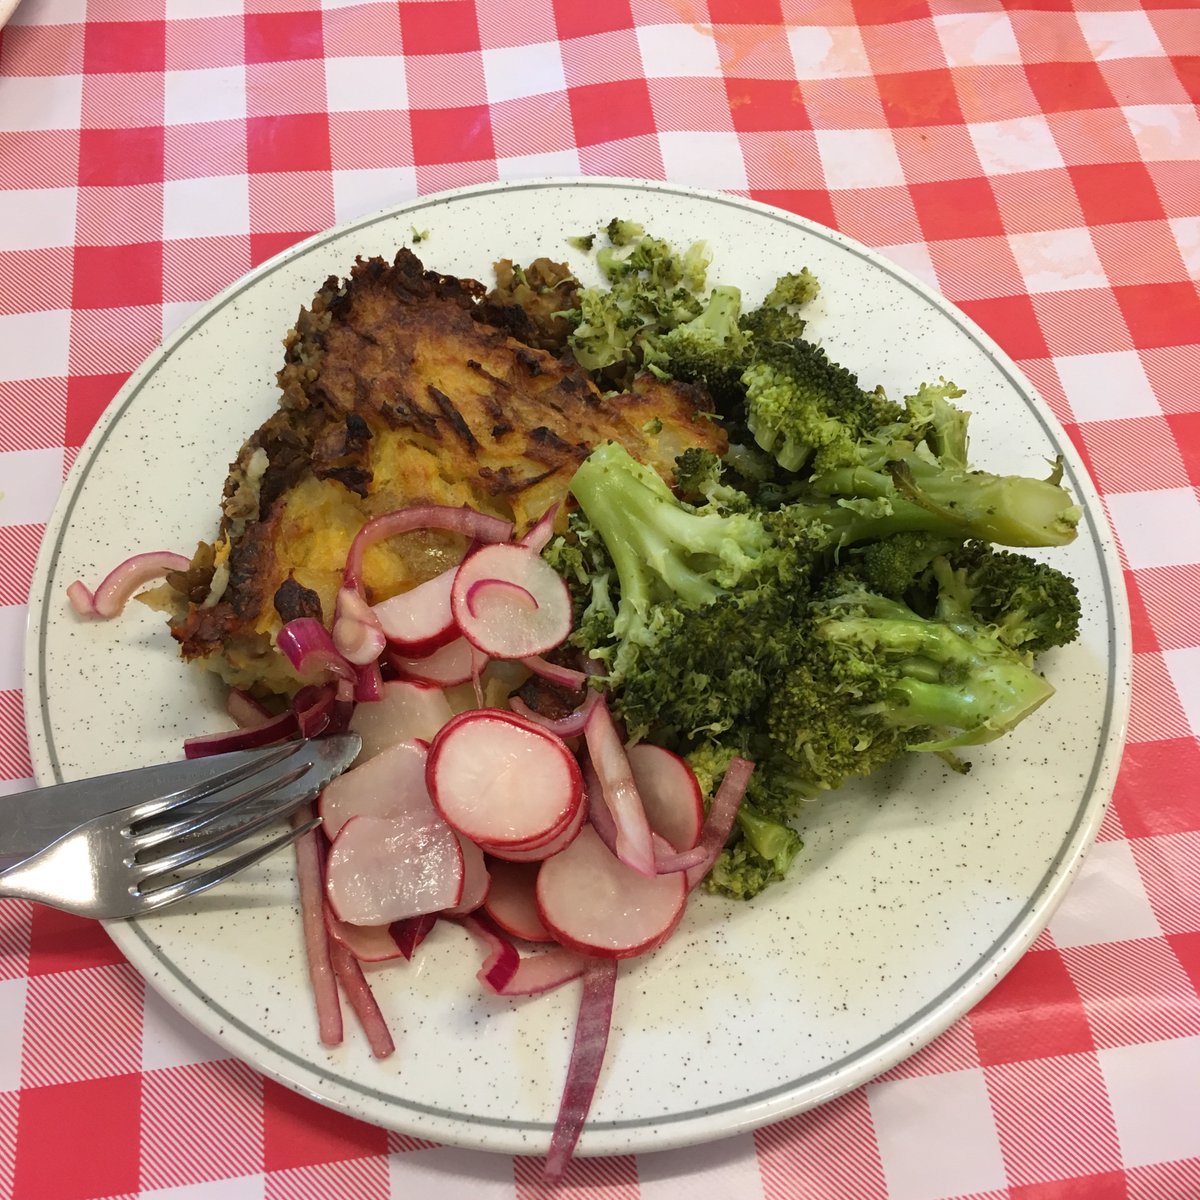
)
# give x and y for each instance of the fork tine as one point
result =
(166, 831)
(195, 884)
(223, 838)
(264, 759)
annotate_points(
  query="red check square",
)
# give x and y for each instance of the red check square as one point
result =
(1152, 795)
(1069, 86)
(920, 98)
(581, 20)
(299, 142)
(118, 276)
(745, 12)
(1012, 321)
(1034, 1012)
(1186, 428)
(124, 47)
(266, 245)
(1187, 67)
(103, 1119)
(766, 104)
(1112, 192)
(1145, 639)
(451, 135)
(87, 397)
(1133, 454)
(283, 36)
(439, 27)
(811, 203)
(1187, 950)
(606, 112)
(1111, 1185)
(957, 208)
(299, 1132)
(114, 157)
(888, 12)
(1160, 314)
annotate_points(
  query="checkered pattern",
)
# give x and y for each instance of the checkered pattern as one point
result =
(1035, 161)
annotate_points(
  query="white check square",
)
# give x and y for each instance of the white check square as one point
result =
(977, 39)
(438, 1174)
(512, 72)
(1058, 260)
(1106, 386)
(1184, 668)
(218, 206)
(366, 84)
(29, 102)
(725, 1168)
(936, 1135)
(1165, 132)
(34, 345)
(12, 1019)
(708, 160)
(50, 12)
(12, 653)
(209, 94)
(828, 52)
(1152, 1088)
(248, 1187)
(1106, 903)
(1018, 144)
(1119, 35)
(1157, 529)
(170, 1041)
(859, 158)
(37, 218)
(678, 51)
(539, 166)
(358, 192)
(914, 257)
(1187, 237)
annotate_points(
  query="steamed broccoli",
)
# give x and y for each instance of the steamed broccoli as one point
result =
(796, 289)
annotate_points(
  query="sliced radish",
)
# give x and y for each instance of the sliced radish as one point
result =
(407, 710)
(670, 794)
(412, 931)
(587, 1057)
(633, 842)
(592, 902)
(499, 621)
(456, 662)
(418, 621)
(368, 943)
(544, 971)
(543, 850)
(477, 880)
(500, 780)
(383, 869)
(512, 901)
(503, 958)
(387, 785)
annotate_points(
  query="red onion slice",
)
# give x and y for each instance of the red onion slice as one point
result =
(277, 729)
(357, 633)
(309, 648)
(471, 524)
(362, 1000)
(562, 676)
(309, 877)
(368, 684)
(503, 958)
(569, 726)
(540, 533)
(722, 813)
(245, 711)
(122, 582)
(587, 1057)
(313, 706)
(412, 931)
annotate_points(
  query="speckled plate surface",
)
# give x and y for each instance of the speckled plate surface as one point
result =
(914, 895)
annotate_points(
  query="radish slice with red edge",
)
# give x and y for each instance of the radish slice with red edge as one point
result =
(266, 733)
(499, 621)
(476, 526)
(512, 900)
(572, 725)
(718, 825)
(406, 711)
(309, 871)
(412, 931)
(362, 1001)
(500, 780)
(587, 1057)
(385, 786)
(633, 844)
(593, 903)
(477, 880)
(539, 534)
(503, 957)
(544, 971)
(357, 633)
(122, 582)
(670, 794)
(419, 621)
(456, 662)
(542, 850)
(368, 943)
(383, 869)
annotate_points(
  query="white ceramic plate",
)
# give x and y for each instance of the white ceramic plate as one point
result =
(914, 895)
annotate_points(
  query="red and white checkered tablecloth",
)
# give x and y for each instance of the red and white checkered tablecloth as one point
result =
(1037, 162)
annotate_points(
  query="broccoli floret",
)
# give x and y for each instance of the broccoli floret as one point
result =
(796, 289)
(772, 325)
(623, 233)
(893, 566)
(707, 348)
(583, 241)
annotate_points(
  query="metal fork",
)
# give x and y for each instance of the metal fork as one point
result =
(126, 862)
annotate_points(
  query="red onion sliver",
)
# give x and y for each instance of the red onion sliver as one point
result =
(587, 1057)
(503, 958)
(362, 1000)
(81, 599)
(634, 845)
(563, 676)
(357, 634)
(412, 931)
(540, 533)
(598, 815)
(368, 684)
(475, 525)
(313, 706)
(309, 849)
(568, 726)
(120, 584)
(245, 711)
(722, 813)
(277, 729)
(308, 647)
